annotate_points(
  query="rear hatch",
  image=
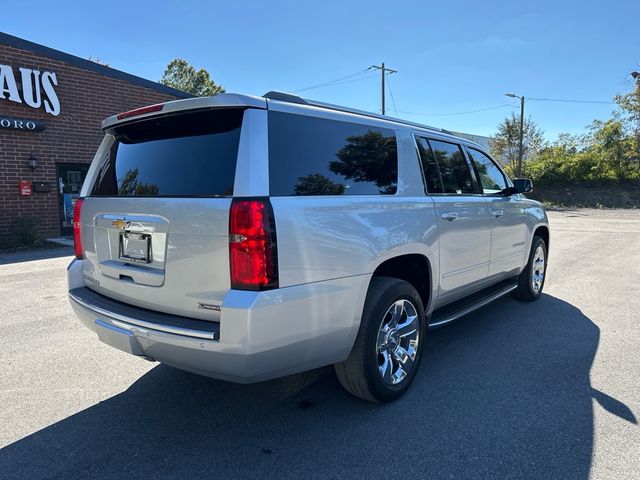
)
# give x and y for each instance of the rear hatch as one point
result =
(156, 216)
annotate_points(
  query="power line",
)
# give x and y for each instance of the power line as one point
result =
(353, 77)
(336, 83)
(331, 82)
(569, 101)
(352, 80)
(459, 113)
(393, 100)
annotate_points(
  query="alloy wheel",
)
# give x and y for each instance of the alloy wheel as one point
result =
(398, 341)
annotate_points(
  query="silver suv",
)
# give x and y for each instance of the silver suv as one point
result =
(247, 238)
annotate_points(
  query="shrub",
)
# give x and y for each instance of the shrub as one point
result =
(606, 154)
(23, 231)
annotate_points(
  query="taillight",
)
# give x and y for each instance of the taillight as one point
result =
(253, 256)
(140, 111)
(77, 229)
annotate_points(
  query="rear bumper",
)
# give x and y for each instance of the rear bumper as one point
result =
(261, 335)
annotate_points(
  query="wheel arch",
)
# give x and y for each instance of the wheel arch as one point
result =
(543, 232)
(414, 268)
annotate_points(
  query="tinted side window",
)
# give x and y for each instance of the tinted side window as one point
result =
(429, 166)
(491, 178)
(315, 156)
(455, 173)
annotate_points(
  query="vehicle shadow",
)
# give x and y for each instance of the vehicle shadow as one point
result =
(44, 254)
(504, 393)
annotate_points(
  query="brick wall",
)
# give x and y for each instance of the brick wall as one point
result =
(86, 98)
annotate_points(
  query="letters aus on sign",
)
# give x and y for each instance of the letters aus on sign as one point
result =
(38, 88)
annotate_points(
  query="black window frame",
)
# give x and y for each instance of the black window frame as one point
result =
(477, 188)
(506, 178)
(416, 138)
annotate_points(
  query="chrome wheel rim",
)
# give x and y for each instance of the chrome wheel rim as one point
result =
(537, 269)
(397, 342)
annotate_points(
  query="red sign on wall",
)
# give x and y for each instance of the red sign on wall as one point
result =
(25, 188)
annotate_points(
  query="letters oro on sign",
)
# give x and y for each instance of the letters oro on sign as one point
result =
(21, 124)
(38, 88)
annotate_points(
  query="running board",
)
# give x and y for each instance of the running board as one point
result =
(460, 308)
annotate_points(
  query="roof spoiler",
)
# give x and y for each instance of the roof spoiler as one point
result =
(223, 100)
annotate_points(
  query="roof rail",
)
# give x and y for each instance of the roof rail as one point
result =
(290, 98)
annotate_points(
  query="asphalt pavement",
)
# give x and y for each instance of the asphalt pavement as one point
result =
(549, 389)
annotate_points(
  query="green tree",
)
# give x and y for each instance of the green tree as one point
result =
(505, 144)
(607, 152)
(181, 75)
(604, 154)
(614, 146)
(629, 110)
(564, 161)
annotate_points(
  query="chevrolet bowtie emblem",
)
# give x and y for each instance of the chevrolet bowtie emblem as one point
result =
(120, 223)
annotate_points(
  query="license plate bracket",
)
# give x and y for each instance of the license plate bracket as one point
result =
(135, 247)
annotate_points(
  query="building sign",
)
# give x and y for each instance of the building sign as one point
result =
(24, 188)
(38, 88)
(11, 123)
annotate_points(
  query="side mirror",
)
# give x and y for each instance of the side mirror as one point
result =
(522, 185)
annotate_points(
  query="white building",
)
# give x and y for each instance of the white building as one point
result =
(479, 139)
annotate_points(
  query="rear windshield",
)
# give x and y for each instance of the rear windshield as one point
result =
(188, 155)
(317, 156)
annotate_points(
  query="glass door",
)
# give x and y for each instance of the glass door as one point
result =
(69, 182)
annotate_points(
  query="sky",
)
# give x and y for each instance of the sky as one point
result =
(453, 58)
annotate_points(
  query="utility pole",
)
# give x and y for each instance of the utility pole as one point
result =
(520, 152)
(636, 77)
(520, 147)
(383, 70)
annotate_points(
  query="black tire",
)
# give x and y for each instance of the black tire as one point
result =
(526, 290)
(359, 374)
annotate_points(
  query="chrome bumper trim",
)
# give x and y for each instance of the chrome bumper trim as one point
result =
(187, 332)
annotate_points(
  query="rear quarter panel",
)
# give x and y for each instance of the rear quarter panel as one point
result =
(325, 238)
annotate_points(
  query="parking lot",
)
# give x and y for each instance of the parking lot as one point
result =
(517, 390)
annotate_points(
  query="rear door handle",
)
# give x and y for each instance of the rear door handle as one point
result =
(449, 216)
(497, 213)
